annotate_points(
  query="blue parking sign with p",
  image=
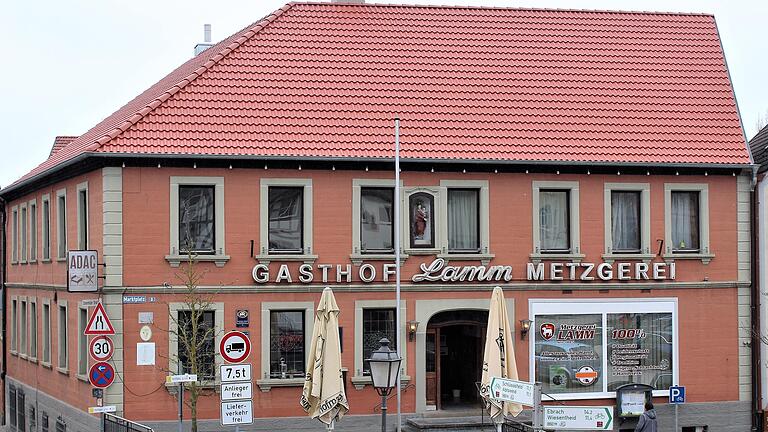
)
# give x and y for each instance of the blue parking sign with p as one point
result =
(677, 395)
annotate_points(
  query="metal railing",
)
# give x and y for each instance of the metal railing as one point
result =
(113, 423)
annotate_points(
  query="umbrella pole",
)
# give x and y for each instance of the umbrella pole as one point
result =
(498, 427)
(331, 425)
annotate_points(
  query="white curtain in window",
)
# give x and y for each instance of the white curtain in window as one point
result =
(463, 221)
(553, 220)
(685, 220)
(625, 220)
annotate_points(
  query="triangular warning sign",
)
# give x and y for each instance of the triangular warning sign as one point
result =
(99, 323)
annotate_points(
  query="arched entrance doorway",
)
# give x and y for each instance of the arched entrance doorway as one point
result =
(455, 341)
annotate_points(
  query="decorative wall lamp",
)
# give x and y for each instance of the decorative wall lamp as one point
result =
(525, 327)
(413, 326)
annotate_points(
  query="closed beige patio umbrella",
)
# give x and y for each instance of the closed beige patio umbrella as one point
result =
(499, 358)
(323, 395)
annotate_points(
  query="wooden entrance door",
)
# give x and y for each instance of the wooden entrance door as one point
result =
(432, 374)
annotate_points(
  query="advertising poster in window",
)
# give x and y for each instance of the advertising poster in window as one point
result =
(639, 349)
(568, 350)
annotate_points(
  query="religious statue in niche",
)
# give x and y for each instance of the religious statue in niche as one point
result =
(422, 220)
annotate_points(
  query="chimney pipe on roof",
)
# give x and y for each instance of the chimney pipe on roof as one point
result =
(206, 40)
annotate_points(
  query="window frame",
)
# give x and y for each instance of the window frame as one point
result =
(14, 222)
(32, 224)
(34, 344)
(307, 255)
(175, 257)
(266, 382)
(574, 253)
(645, 253)
(304, 339)
(46, 333)
(14, 348)
(46, 228)
(357, 257)
(603, 306)
(705, 253)
(82, 343)
(173, 340)
(359, 380)
(83, 222)
(61, 220)
(484, 254)
(62, 348)
(408, 246)
(23, 344)
(24, 233)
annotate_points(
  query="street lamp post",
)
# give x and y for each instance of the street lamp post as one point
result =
(385, 370)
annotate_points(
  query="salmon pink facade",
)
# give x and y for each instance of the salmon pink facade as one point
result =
(618, 229)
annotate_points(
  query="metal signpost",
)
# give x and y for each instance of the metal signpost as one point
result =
(513, 391)
(676, 397)
(83, 271)
(236, 385)
(578, 417)
(180, 379)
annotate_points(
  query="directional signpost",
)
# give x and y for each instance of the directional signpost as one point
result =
(236, 385)
(512, 391)
(182, 378)
(578, 417)
(102, 409)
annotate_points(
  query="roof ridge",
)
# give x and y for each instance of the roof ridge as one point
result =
(126, 124)
(533, 9)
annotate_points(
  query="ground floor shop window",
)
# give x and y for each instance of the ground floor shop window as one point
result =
(377, 324)
(286, 344)
(591, 348)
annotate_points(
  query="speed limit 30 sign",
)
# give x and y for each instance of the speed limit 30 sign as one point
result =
(101, 348)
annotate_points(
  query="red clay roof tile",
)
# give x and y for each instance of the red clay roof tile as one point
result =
(327, 80)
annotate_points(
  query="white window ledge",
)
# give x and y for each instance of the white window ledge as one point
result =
(425, 251)
(266, 259)
(46, 365)
(484, 259)
(32, 359)
(266, 384)
(357, 259)
(539, 257)
(705, 258)
(13, 352)
(64, 371)
(82, 377)
(45, 261)
(611, 257)
(176, 260)
(360, 381)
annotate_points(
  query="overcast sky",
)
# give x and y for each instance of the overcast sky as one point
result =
(68, 64)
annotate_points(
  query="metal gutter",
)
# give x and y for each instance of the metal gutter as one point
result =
(3, 272)
(756, 339)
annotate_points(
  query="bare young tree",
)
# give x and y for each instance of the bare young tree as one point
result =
(196, 350)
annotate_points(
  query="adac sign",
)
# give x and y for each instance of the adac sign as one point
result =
(438, 270)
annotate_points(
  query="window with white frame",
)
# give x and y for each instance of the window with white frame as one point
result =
(61, 224)
(627, 221)
(82, 341)
(377, 220)
(378, 323)
(465, 213)
(686, 218)
(589, 348)
(82, 216)
(555, 219)
(46, 358)
(286, 329)
(24, 234)
(285, 219)
(15, 235)
(32, 231)
(197, 219)
(33, 329)
(23, 327)
(14, 325)
(209, 323)
(375, 319)
(421, 220)
(46, 228)
(63, 340)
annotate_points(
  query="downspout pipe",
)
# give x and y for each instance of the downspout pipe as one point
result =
(756, 337)
(3, 278)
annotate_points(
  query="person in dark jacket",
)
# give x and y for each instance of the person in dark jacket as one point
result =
(647, 421)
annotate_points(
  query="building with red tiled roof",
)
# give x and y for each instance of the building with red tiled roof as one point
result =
(591, 163)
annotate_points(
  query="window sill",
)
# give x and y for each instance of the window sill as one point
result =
(46, 365)
(32, 359)
(484, 259)
(82, 377)
(357, 259)
(45, 260)
(266, 259)
(176, 260)
(536, 258)
(705, 258)
(266, 384)
(23, 356)
(360, 381)
(61, 259)
(63, 371)
(424, 251)
(33, 261)
(14, 352)
(611, 257)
